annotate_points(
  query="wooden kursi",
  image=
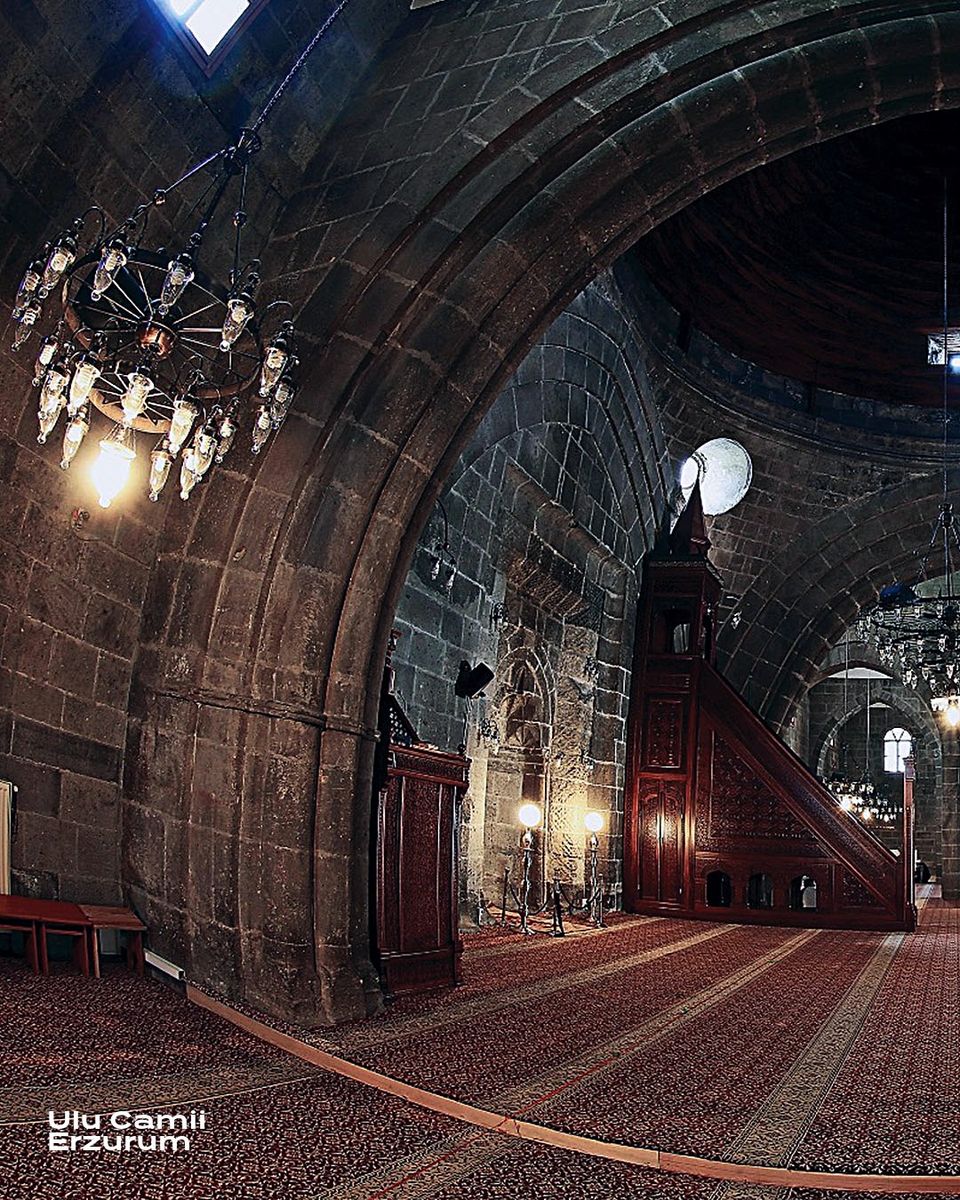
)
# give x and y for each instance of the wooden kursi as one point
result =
(722, 820)
(417, 937)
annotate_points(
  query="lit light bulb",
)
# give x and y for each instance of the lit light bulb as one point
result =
(188, 477)
(282, 399)
(111, 470)
(239, 312)
(275, 359)
(27, 289)
(952, 714)
(261, 429)
(867, 815)
(185, 412)
(54, 390)
(593, 822)
(28, 318)
(76, 431)
(52, 399)
(84, 377)
(529, 815)
(161, 460)
(197, 460)
(179, 275)
(226, 432)
(112, 258)
(45, 355)
(846, 803)
(134, 400)
(62, 257)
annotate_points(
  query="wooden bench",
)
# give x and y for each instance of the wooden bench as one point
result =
(44, 917)
(107, 916)
(35, 919)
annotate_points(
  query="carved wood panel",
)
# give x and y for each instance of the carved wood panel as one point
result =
(735, 807)
(663, 743)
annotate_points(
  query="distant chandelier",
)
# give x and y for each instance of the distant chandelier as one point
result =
(855, 796)
(145, 338)
(918, 636)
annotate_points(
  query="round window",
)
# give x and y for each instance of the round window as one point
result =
(724, 470)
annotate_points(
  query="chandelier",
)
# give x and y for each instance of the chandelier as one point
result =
(144, 337)
(917, 635)
(855, 796)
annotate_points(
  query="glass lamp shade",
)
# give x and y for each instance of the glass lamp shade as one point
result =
(530, 815)
(239, 312)
(185, 412)
(180, 275)
(161, 460)
(134, 400)
(111, 469)
(85, 376)
(45, 356)
(226, 432)
(113, 258)
(77, 429)
(27, 289)
(593, 821)
(62, 257)
(28, 318)
(274, 361)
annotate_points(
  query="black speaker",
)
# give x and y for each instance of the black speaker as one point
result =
(471, 680)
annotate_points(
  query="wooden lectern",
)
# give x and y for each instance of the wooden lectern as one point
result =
(417, 938)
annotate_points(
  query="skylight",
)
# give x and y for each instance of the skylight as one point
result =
(209, 27)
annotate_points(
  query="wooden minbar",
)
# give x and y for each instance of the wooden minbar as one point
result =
(417, 940)
(723, 821)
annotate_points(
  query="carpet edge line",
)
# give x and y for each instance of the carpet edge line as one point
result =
(662, 1160)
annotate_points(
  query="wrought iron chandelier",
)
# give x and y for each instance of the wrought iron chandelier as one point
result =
(144, 337)
(918, 636)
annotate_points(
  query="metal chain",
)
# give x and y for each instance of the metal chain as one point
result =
(295, 69)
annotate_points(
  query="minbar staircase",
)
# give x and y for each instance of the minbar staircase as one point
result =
(722, 820)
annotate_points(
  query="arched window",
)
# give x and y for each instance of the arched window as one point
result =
(803, 892)
(760, 891)
(897, 745)
(719, 889)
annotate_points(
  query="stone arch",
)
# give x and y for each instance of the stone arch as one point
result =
(434, 272)
(794, 615)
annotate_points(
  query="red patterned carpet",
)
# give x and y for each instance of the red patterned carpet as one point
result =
(816, 1050)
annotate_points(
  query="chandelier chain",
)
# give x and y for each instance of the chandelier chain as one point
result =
(295, 69)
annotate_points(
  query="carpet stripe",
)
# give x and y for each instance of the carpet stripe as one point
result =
(509, 944)
(431, 1168)
(678, 1164)
(28, 1106)
(377, 1034)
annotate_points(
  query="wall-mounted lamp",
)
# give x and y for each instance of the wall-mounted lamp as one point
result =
(530, 817)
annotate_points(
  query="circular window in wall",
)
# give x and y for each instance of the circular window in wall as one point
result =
(724, 470)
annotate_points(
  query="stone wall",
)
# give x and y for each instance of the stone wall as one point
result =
(102, 103)
(549, 513)
(833, 727)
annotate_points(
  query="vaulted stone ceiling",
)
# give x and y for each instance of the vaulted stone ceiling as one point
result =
(826, 265)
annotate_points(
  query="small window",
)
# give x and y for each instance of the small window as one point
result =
(719, 890)
(803, 892)
(897, 746)
(760, 891)
(209, 28)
